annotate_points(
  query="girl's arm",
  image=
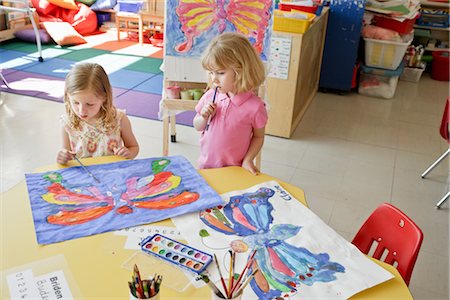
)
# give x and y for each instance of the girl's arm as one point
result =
(65, 154)
(255, 146)
(131, 146)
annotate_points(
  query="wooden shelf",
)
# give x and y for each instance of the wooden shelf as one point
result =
(436, 49)
(434, 4)
(432, 28)
(289, 99)
(7, 34)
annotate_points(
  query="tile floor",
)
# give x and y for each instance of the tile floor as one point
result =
(349, 154)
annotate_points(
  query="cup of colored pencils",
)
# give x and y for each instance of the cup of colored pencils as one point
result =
(144, 289)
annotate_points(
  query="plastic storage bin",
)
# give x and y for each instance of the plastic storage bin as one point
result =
(411, 74)
(401, 27)
(285, 21)
(130, 6)
(102, 17)
(380, 83)
(440, 65)
(289, 7)
(384, 54)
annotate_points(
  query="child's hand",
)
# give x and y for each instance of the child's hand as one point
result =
(208, 110)
(250, 166)
(122, 151)
(64, 156)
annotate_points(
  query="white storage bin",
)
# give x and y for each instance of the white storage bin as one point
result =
(411, 74)
(384, 54)
(379, 82)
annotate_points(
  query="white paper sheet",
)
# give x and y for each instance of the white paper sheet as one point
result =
(23, 285)
(313, 241)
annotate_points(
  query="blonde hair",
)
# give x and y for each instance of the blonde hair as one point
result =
(93, 78)
(234, 51)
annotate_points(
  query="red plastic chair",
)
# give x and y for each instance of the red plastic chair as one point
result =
(391, 236)
(444, 131)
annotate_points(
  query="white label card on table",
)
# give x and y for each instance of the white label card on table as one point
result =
(137, 234)
(53, 286)
(146, 230)
(23, 285)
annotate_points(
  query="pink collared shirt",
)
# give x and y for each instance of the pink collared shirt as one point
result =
(228, 137)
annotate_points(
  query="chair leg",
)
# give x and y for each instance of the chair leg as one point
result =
(435, 163)
(4, 80)
(443, 200)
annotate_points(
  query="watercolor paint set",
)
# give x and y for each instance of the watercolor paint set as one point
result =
(176, 253)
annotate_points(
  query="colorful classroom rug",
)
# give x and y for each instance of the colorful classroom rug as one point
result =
(134, 71)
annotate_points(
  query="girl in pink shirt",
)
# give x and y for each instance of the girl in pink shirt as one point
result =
(231, 117)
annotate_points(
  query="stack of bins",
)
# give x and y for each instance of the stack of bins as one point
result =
(383, 59)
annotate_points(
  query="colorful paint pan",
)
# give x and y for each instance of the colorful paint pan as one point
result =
(176, 253)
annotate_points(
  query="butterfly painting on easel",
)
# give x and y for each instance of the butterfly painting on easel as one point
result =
(68, 203)
(191, 25)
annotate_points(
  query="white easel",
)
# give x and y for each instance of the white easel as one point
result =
(29, 11)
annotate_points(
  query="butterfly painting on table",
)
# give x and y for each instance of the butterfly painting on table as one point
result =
(191, 25)
(297, 255)
(68, 203)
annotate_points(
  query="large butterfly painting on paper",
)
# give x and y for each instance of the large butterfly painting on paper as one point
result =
(297, 255)
(68, 203)
(191, 25)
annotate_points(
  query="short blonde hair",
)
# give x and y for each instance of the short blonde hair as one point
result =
(234, 51)
(93, 78)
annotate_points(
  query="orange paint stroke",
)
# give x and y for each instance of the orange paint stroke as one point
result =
(182, 199)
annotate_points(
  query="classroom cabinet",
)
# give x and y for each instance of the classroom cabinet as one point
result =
(289, 98)
(341, 44)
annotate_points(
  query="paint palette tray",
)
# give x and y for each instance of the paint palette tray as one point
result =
(177, 253)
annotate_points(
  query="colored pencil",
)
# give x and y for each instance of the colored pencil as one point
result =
(144, 289)
(220, 274)
(132, 288)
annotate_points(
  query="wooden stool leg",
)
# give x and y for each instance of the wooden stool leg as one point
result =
(165, 135)
(140, 32)
(118, 28)
(173, 130)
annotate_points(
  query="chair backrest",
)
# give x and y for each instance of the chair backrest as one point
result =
(391, 236)
(444, 129)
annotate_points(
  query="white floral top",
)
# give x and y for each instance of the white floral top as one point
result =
(90, 140)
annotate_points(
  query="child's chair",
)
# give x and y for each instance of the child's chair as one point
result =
(391, 236)
(444, 131)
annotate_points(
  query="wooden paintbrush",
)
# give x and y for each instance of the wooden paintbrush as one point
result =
(84, 168)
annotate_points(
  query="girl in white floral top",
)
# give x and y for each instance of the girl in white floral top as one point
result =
(92, 126)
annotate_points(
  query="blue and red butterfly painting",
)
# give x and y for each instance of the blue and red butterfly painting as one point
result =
(297, 255)
(191, 25)
(68, 203)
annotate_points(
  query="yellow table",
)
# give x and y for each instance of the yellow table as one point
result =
(95, 262)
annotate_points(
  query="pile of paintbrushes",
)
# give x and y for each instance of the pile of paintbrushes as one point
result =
(234, 287)
(144, 289)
